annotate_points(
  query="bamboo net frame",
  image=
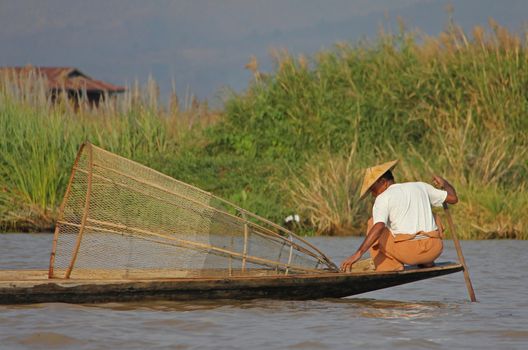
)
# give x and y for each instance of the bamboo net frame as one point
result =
(120, 218)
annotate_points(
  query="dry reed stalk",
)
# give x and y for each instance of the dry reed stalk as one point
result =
(325, 193)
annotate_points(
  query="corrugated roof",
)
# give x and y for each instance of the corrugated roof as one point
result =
(68, 78)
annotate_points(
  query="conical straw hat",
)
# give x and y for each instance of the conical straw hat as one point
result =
(372, 175)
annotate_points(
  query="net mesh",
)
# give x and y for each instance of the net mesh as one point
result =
(120, 219)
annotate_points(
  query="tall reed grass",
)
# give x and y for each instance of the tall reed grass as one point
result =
(453, 105)
(325, 193)
(39, 137)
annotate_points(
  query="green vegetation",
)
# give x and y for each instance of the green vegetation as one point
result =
(40, 138)
(297, 138)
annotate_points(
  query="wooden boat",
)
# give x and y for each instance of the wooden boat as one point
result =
(126, 232)
(34, 286)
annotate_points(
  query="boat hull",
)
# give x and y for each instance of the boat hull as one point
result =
(27, 287)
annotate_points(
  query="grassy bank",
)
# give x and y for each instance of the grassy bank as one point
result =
(296, 140)
(454, 105)
(40, 138)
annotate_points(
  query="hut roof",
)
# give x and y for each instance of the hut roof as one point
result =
(68, 78)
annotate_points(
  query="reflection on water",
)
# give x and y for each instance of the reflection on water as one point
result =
(370, 308)
(167, 306)
(390, 309)
(431, 314)
(47, 340)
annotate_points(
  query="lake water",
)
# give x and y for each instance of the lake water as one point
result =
(430, 314)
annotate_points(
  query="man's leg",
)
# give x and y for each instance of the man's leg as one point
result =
(380, 252)
(421, 252)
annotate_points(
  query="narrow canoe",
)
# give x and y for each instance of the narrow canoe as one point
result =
(33, 286)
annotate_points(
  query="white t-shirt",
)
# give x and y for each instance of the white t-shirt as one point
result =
(406, 207)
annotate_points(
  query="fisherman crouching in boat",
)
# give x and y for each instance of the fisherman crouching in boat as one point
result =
(402, 229)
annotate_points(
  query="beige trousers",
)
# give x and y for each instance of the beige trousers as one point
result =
(390, 253)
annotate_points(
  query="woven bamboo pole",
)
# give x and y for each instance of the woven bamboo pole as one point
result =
(280, 253)
(231, 259)
(85, 213)
(244, 254)
(289, 257)
(61, 211)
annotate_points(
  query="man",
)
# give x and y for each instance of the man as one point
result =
(402, 229)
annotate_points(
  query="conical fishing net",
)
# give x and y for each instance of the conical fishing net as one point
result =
(120, 219)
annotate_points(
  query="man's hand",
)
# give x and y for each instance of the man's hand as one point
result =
(347, 264)
(440, 182)
(372, 236)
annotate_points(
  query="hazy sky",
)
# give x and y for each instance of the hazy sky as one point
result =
(203, 45)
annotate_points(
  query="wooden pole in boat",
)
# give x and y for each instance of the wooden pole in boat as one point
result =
(85, 212)
(458, 248)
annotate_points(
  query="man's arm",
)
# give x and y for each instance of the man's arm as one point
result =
(372, 236)
(440, 182)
